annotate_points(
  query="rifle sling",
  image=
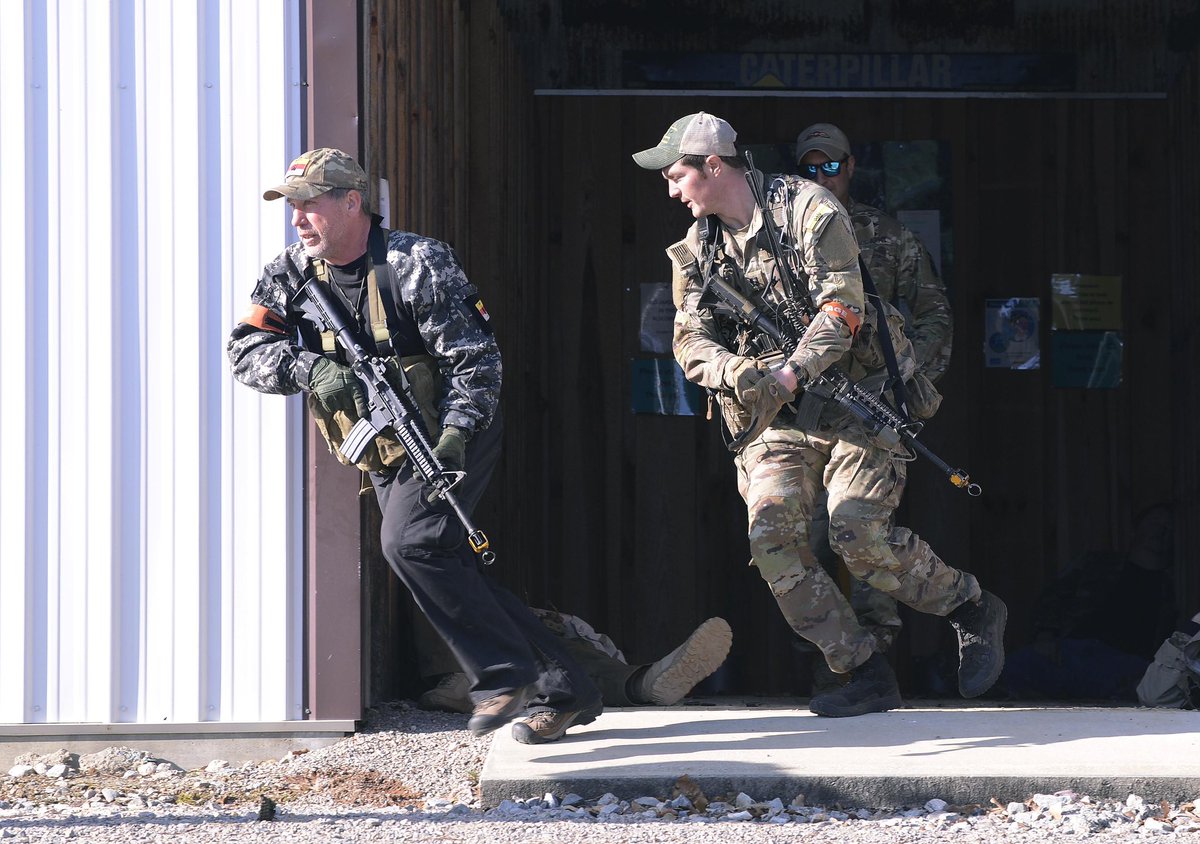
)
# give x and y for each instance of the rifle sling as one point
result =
(377, 246)
(885, 341)
(869, 289)
(380, 308)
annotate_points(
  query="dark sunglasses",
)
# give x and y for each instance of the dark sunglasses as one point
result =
(829, 168)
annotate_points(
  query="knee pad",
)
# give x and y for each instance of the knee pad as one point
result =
(778, 537)
(850, 537)
(864, 547)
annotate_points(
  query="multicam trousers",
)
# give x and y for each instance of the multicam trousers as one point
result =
(875, 610)
(780, 476)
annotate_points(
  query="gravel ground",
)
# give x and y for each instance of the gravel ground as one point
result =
(411, 776)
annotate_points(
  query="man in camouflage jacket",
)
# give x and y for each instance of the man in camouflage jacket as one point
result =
(411, 298)
(785, 465)
(904, 276)
(899, 264)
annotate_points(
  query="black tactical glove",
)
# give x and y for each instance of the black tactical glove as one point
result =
(336, 387)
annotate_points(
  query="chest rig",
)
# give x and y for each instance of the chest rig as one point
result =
(375, 311)
(755, 272)
(394, 335)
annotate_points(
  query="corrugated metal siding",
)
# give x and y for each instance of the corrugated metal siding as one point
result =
(149, 507)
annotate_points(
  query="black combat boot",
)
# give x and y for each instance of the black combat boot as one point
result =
(824, 678)
(871, 688)
(980, 629)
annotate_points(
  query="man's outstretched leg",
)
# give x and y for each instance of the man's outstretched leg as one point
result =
(667, 681)
(661, 683)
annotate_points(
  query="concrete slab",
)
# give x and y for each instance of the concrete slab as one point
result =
(962, 754)
(187, 745)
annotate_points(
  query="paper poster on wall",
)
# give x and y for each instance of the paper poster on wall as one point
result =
(385, 203)
(657, 386)
(1085, 302)
(1011, 333)
(658, 316)
(1088, 359)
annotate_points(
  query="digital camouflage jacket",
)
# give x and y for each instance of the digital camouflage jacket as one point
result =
(439, 307)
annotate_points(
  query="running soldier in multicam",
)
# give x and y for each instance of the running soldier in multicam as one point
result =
(409, 299)
(784, 466)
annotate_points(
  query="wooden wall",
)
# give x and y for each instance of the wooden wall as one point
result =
(415, 98)
(1184, 215)
(646, 509)
(632, 521)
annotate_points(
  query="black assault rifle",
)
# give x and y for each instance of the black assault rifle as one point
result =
(881, 420)
(389, 408)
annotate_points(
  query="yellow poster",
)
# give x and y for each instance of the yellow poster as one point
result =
(1085, 302)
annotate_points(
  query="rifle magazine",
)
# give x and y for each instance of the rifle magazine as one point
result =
(358, 440)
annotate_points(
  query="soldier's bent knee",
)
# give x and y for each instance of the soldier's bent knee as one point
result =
(783, 581)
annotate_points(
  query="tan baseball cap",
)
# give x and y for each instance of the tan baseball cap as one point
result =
(696, 134)
(826, 137)
(318, 171)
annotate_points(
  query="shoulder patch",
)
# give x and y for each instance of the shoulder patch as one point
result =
(834, 240)
(265, 319)
(684, 268)
(475, 306)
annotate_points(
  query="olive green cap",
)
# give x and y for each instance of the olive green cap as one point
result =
(695, 134)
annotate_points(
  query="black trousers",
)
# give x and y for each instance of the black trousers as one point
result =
(499, 643)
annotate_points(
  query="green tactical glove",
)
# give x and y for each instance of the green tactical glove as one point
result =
(451, 448)
(336, 387)
(741, 374)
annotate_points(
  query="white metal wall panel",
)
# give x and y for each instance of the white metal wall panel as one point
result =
(251, 119)
(150, 542)
(20, 532)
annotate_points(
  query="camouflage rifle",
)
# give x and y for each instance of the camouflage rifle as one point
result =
(389, 408)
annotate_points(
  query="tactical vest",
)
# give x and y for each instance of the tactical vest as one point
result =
(865, 361)
(421, 370)
(1173, 679)
(377, 316)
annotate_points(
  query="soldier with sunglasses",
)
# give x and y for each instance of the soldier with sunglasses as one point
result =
(906, 278)
(899, 264)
